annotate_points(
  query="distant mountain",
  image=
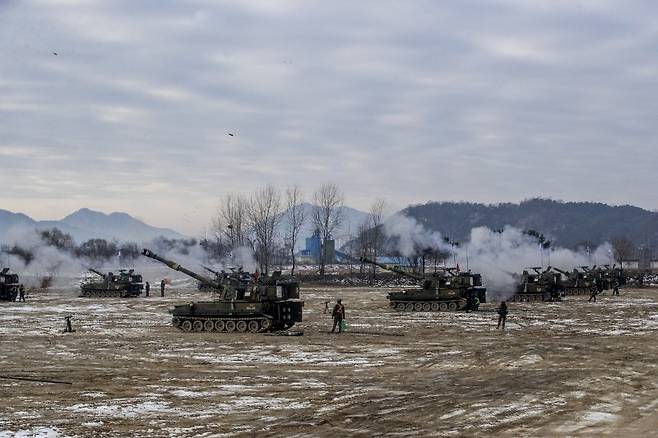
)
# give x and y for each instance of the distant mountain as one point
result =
(568, 224)
(351, 220)
(83, 225)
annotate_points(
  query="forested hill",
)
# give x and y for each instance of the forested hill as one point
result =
(569, 224)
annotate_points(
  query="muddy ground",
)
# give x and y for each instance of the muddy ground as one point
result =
(570, 368)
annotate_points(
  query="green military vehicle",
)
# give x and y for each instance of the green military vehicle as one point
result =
(576, 282)
(126, 284)
(442, 291)
(9, 285)
(538, 286)
(242, 303)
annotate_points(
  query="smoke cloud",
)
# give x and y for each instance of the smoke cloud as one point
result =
(496, 255)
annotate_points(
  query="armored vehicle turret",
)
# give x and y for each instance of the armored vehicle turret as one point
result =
(242, 302)
(122, 285)
(575, 282)
(447, 290)
(9, 285)
(538, 285)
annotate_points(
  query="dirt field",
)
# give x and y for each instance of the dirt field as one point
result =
(570, 368)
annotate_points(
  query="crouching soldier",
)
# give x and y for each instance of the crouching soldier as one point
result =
(338, 314)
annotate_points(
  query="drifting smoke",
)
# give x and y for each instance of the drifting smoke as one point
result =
(44, 262)
(242, 257)
(495, 255)
(411, 236)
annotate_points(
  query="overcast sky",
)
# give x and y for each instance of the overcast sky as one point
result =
(407, 100)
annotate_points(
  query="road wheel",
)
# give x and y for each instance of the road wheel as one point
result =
(427, 307)
(186, 326)
(435, 307)
(253, 326)
(230, 326)
(220, 325)
(443, 307)
(409, 307)
(208, 325)
(418, 307)
(265, 324)
(452, 306)
(399, 306)
(197, 326)
(241, 326)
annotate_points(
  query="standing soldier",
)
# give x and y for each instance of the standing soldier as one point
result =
(502, 314)
(69, 327)
(147, 288)
(338, 314)
(615, 291)
(21, 293)
(162, 287)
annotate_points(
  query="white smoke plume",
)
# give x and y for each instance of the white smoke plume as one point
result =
(495, 255)
(411, 235)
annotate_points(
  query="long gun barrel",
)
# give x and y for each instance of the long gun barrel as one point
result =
(176, 267)
(96, 272)
(397, 271)
(561, 271)
(212, 271)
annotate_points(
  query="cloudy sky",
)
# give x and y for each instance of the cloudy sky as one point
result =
(408, 100)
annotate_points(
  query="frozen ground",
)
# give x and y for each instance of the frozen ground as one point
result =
(570, 368)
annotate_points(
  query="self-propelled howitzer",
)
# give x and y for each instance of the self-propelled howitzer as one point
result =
(241, 305)
(9, 285)
(125, 284)
(441, 291)
(575, 282)
(542, 285)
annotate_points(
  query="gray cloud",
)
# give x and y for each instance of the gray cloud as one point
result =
(465, 100)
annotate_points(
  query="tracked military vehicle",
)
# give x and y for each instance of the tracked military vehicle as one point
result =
(538, 286)
(242, 303)
(443, 291)
(122, 285)
(575, 282)
(9, 285)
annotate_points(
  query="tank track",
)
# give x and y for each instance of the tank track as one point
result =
(102, 293)
(224, 325)
(425, 306)
(528, 298)
(578, 291)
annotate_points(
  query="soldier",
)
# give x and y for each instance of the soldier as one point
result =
(147, 288)
(162, 287)
(21, 293)
(502, 314)
(326, 307)
(593, 292)
(338, 314)
(69, 327)
(615, 290)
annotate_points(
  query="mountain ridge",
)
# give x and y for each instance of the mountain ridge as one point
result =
(568, 224)
(85, 224)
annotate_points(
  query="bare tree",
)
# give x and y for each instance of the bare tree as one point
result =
(232, 221)
(623, 249)
(363, 242)
(296, 218)
(264, 215)
(327, 216)
(376, 220)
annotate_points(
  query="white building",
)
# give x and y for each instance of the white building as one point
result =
(630, 264)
